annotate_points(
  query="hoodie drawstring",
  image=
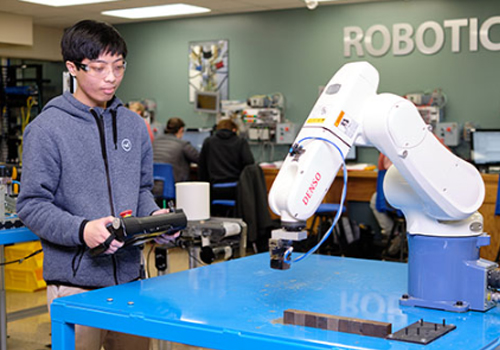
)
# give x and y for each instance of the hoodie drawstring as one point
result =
(100, 126)
(75, 265)
(115, 129)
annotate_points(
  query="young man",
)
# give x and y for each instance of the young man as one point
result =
(171, 148)
(86, 159)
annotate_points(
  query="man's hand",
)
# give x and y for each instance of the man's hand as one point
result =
(95, 233)
(165, 239)
(161, 211)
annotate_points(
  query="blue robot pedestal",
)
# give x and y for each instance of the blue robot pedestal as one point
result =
(446, 273)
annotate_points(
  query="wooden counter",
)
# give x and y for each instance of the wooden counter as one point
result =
(362, 184)
(360, 187)
(491, 221)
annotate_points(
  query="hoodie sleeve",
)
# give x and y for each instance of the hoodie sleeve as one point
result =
(41, 171)
(191, 153)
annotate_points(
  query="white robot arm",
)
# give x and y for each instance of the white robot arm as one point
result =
(350, 111)
(438, 193)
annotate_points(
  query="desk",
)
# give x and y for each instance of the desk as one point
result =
(238, 305)
(491, 221)
(362, 184)
(11, 236)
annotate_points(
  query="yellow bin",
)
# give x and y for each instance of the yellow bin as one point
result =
(28, 275)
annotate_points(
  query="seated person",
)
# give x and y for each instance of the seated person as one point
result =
(223, 157)
(385, 221)
(171, 148)
(139, 108)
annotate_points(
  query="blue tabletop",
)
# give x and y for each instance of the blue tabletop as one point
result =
(239, 305)
(16, 235)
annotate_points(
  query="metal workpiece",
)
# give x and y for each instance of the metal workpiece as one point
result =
(422, 332)
(278, 249)
(214, 239)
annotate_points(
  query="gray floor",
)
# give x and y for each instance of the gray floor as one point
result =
(33, 333)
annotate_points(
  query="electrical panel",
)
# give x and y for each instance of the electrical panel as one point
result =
(285, 133)
(260, 123)
(259, 133)
(448, 133)
(431, 114)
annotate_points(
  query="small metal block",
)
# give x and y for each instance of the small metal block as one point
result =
(288, 317)
(300, 319)
(288, 235)
(322, 322)
(277, 250)
(310, 321)
(333, 324)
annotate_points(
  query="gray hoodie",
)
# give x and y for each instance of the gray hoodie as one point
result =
(81, 164)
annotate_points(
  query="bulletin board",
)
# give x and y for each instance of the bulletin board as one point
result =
(209, 67)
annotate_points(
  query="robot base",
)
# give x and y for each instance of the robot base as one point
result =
(446, 273)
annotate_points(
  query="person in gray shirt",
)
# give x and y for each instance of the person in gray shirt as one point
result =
(87, 158)
(171, 148)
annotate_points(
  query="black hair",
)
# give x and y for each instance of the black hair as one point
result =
(90, 39)
(174, 125)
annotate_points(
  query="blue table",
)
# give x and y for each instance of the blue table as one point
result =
(239, 305)
(11, 236)
(17, 235)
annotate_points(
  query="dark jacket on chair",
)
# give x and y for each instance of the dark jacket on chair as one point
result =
(252, 205)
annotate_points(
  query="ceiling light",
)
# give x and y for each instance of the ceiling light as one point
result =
(58, 3)
(311, 4)
(157, 11)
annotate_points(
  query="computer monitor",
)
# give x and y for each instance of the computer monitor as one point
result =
(207, 102)
(352, 155)
(485, 148)
(196, 137)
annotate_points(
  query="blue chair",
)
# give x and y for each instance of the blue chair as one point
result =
(164, 172)
(382, 206)
(380, 202)
(497, 212)
(229, 205)
(497, 203)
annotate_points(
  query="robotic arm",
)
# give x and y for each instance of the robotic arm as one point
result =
(350, 111)
(438, 192)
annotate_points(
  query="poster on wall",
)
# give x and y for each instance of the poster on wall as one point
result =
(208, 67)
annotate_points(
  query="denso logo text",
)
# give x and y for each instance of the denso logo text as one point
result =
(312, 187)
